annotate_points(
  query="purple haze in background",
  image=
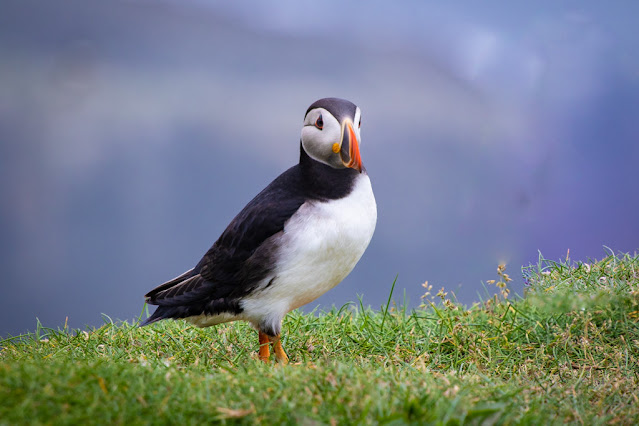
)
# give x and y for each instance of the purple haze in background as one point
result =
(132, 132)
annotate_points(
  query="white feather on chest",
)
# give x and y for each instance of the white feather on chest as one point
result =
(320, 245)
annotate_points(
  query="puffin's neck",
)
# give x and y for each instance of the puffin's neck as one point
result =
(324, 182)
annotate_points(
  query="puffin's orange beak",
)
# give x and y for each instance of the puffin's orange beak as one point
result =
(350, 148)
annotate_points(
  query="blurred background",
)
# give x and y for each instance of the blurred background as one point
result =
(131, 133)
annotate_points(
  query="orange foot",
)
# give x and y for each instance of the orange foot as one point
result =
(265, 353)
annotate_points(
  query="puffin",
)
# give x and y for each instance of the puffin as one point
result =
(297, 239)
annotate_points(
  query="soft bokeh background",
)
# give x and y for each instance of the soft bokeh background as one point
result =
(131, 132)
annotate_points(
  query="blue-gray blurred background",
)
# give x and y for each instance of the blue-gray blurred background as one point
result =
(131, 132)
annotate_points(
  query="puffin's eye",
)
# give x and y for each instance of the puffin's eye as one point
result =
(319, 123)
(360, 124)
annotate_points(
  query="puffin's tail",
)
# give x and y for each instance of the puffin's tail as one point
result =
(163, 312)
(155, 317)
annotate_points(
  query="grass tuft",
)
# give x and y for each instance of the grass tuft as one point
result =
(568, 351)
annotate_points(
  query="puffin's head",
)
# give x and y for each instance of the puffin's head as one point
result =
(331, 133)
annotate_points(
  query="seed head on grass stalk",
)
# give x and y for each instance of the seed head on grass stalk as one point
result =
(504, 279)
(426, 295)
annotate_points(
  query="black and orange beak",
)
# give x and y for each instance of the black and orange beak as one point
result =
(349, 148)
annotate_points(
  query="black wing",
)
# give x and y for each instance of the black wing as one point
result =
(237, 261)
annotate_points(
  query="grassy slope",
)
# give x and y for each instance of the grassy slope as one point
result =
(569, 351)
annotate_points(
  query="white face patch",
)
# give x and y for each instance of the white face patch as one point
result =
(318, 143)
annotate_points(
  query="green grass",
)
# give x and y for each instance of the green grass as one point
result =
(566, 352)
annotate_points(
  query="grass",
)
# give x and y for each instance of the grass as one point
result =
(568, 351)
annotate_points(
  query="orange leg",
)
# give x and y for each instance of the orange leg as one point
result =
(280, 355)
(264, 344)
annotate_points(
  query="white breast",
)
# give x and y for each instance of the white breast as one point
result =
(319, 247)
